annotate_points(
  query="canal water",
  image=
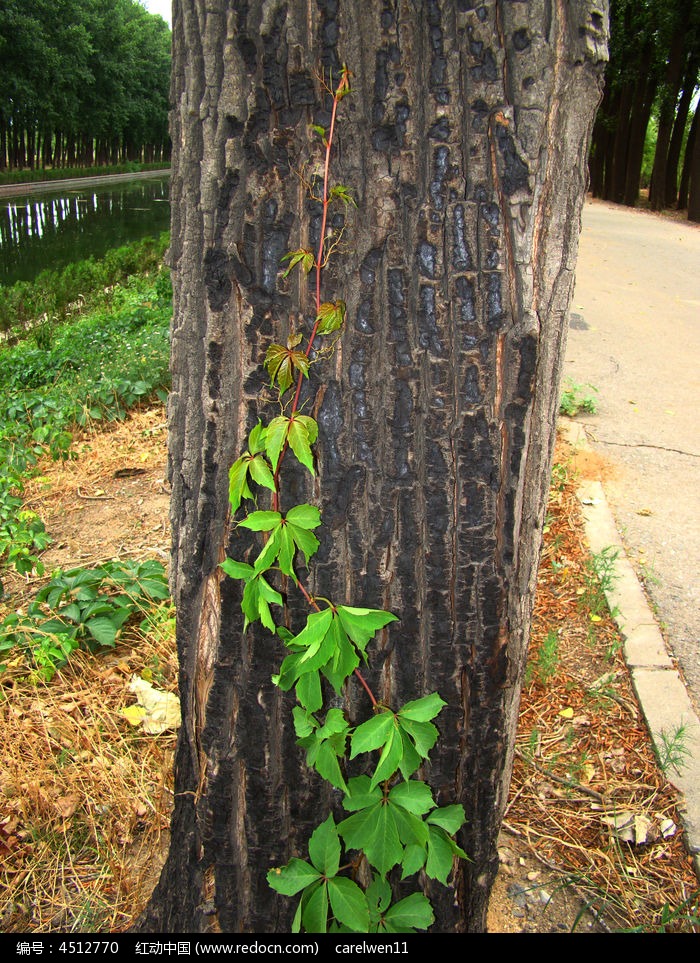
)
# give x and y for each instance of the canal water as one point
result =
(55, 228)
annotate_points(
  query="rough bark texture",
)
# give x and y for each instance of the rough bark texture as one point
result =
(465, 142)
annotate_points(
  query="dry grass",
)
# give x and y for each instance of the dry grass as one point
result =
(584, 758)
(86, 797)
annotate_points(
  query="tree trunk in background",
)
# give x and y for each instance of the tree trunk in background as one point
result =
(465, 143)
(667, 111)
(674, 149)
(687, 158)
(694, 173)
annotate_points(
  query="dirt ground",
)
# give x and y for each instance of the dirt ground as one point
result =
(112, 501)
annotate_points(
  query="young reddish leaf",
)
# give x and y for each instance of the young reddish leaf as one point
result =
(282, 363)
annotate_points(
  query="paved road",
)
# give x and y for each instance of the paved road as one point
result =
(635, 336)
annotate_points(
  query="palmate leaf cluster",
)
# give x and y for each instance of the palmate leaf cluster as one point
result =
(394, 828)
(393, 819)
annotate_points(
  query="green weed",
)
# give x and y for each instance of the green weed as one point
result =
(81, 609)
(543, 664)
(673, 751)
(575, 400)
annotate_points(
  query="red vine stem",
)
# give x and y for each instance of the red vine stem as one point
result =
(342, 88)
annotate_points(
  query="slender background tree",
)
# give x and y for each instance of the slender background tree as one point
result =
(83, 82)
(641, 134)
(465, 143)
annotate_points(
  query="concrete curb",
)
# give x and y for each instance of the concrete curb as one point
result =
(660, 689)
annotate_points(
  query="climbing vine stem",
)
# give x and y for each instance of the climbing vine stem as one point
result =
(393, 823)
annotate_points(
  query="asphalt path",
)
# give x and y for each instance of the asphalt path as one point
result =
(635, 337)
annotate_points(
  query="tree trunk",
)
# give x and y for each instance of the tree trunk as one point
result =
(465, 142)
(667, 110)
(687, 163)
(694, 174)
(676, 143)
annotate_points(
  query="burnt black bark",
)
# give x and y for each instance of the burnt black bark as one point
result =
(465, 143)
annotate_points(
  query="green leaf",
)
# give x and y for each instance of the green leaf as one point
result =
(423, 735)
(450, 818)
(255, 603)
(373, 733)
(409, 914)
(321, 131)
(362, 624)
(269, 551)
(374, 832)
(282, 363)
(389, 760)
(260, 472)
(256, 439)
(440, 855)
(331, 316)
(313, 648)
(308, 690)
(261, 521)
(412, 830)
(301, 256)
(342, 193)
(324, 848)
(301, 436)
(359, 795)
(349, 904)
(305, 541)
(326, 764)
(413, 861)
(289, 879)
(423, 710)
(304, 722)
(314, 914)
(378, 895)
(344, 661)
(304, 516)
(275, 437)
(238, 483)
(102, 630)
(414, 796)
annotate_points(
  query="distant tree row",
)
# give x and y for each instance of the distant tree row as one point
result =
(651, 93)
(83, 83)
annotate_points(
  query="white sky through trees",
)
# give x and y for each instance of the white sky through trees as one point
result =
(162, 7)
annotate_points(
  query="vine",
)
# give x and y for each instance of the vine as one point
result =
(393, 822)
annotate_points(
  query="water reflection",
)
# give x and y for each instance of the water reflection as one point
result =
(51, 230)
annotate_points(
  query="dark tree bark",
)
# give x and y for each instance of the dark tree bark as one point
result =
(676, 142)
(465, 142)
